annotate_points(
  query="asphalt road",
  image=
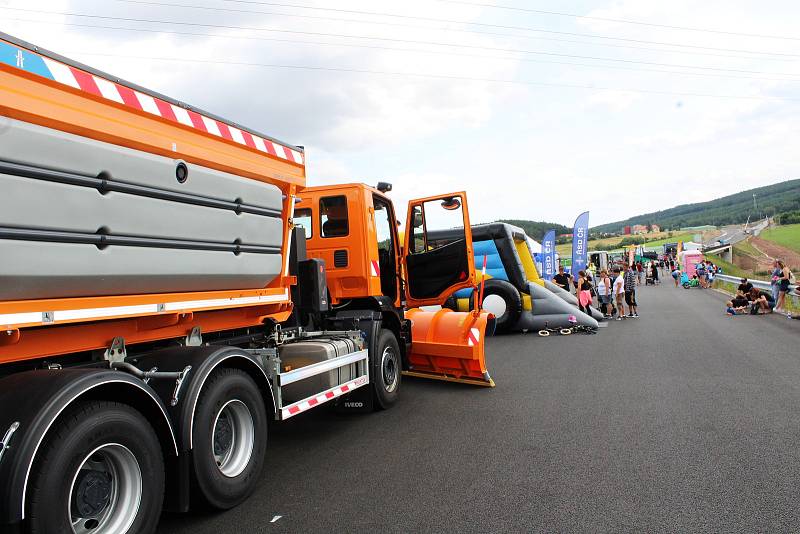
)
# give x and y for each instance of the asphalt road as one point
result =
(682, 420)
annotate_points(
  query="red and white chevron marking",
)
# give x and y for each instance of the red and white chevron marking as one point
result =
(375, 268)
(325, 396)
(473, 337)
(126, 96)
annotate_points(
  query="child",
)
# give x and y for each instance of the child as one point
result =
(730, 310)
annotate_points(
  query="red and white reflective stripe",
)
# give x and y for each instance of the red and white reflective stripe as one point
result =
(49, 317)
(473, 337)
(375, 268)
(325, 396)
(126, 96)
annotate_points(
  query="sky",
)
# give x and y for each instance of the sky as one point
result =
(537, 109)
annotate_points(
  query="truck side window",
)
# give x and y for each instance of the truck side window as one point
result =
(302, 217)
(417, 230)
(333, 216)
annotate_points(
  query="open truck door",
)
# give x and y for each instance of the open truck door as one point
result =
(438, 260)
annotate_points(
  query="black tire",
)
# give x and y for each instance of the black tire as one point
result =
(94, 435)
(513, 303)
(229, 439)
(385, 370)
(451, 302)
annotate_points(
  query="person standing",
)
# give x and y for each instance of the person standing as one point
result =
(562, 279)
(619, 293)
(783, 286)
(700, 269)
(630, 291)
(584, 289)
(776, 276)
(604, 293)
(640, 272)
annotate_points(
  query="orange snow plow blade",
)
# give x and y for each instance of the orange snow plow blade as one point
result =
(448, 345)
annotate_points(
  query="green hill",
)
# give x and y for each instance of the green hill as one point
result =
(732, 209)
(536, 229)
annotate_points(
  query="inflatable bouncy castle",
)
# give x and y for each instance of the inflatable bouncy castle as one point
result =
(513, 290)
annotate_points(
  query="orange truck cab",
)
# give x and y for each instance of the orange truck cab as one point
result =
(353, 229)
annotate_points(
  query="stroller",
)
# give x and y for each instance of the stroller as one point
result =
(651, 277)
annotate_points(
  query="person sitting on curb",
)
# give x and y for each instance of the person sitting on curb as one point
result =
(740, 299)
(760, 300)
(745, 286)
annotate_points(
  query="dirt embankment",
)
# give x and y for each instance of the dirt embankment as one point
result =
(772, 250)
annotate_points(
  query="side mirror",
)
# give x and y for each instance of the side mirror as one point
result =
(452, 203)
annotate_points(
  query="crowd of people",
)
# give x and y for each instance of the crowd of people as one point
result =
(704, 273)
(749, 299)
(613, 291)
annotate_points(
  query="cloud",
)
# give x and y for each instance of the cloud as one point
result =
(520, 151)
(333, 110)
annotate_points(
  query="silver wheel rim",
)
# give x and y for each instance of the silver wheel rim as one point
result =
(544, 333)
(389, 370)
(106, 491)
(494, 304)
(233, 438)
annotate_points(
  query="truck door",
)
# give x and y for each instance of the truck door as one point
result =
(438, 249)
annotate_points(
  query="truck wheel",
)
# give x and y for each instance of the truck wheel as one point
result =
(386, 368)
(100, 470)
(229, 438)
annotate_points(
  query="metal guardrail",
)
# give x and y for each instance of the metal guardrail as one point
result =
(760, 284)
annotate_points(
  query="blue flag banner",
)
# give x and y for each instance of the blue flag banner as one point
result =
(580, 236)
(549, 255)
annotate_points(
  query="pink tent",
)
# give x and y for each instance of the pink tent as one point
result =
(688, 259)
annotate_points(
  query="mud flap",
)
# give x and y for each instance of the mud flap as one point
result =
(449, 345)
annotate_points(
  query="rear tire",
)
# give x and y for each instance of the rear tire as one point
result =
(229, 439)
(100, 470)
(386, 367)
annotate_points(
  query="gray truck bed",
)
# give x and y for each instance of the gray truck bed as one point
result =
(79, 217)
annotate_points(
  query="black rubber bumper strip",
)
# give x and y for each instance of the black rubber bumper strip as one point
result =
(105, 185)
(107, 240)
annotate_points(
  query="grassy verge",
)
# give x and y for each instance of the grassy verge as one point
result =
(729, 268)
(746, 248)
(787, 236)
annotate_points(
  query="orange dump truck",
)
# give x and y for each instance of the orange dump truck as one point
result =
(168, 285)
